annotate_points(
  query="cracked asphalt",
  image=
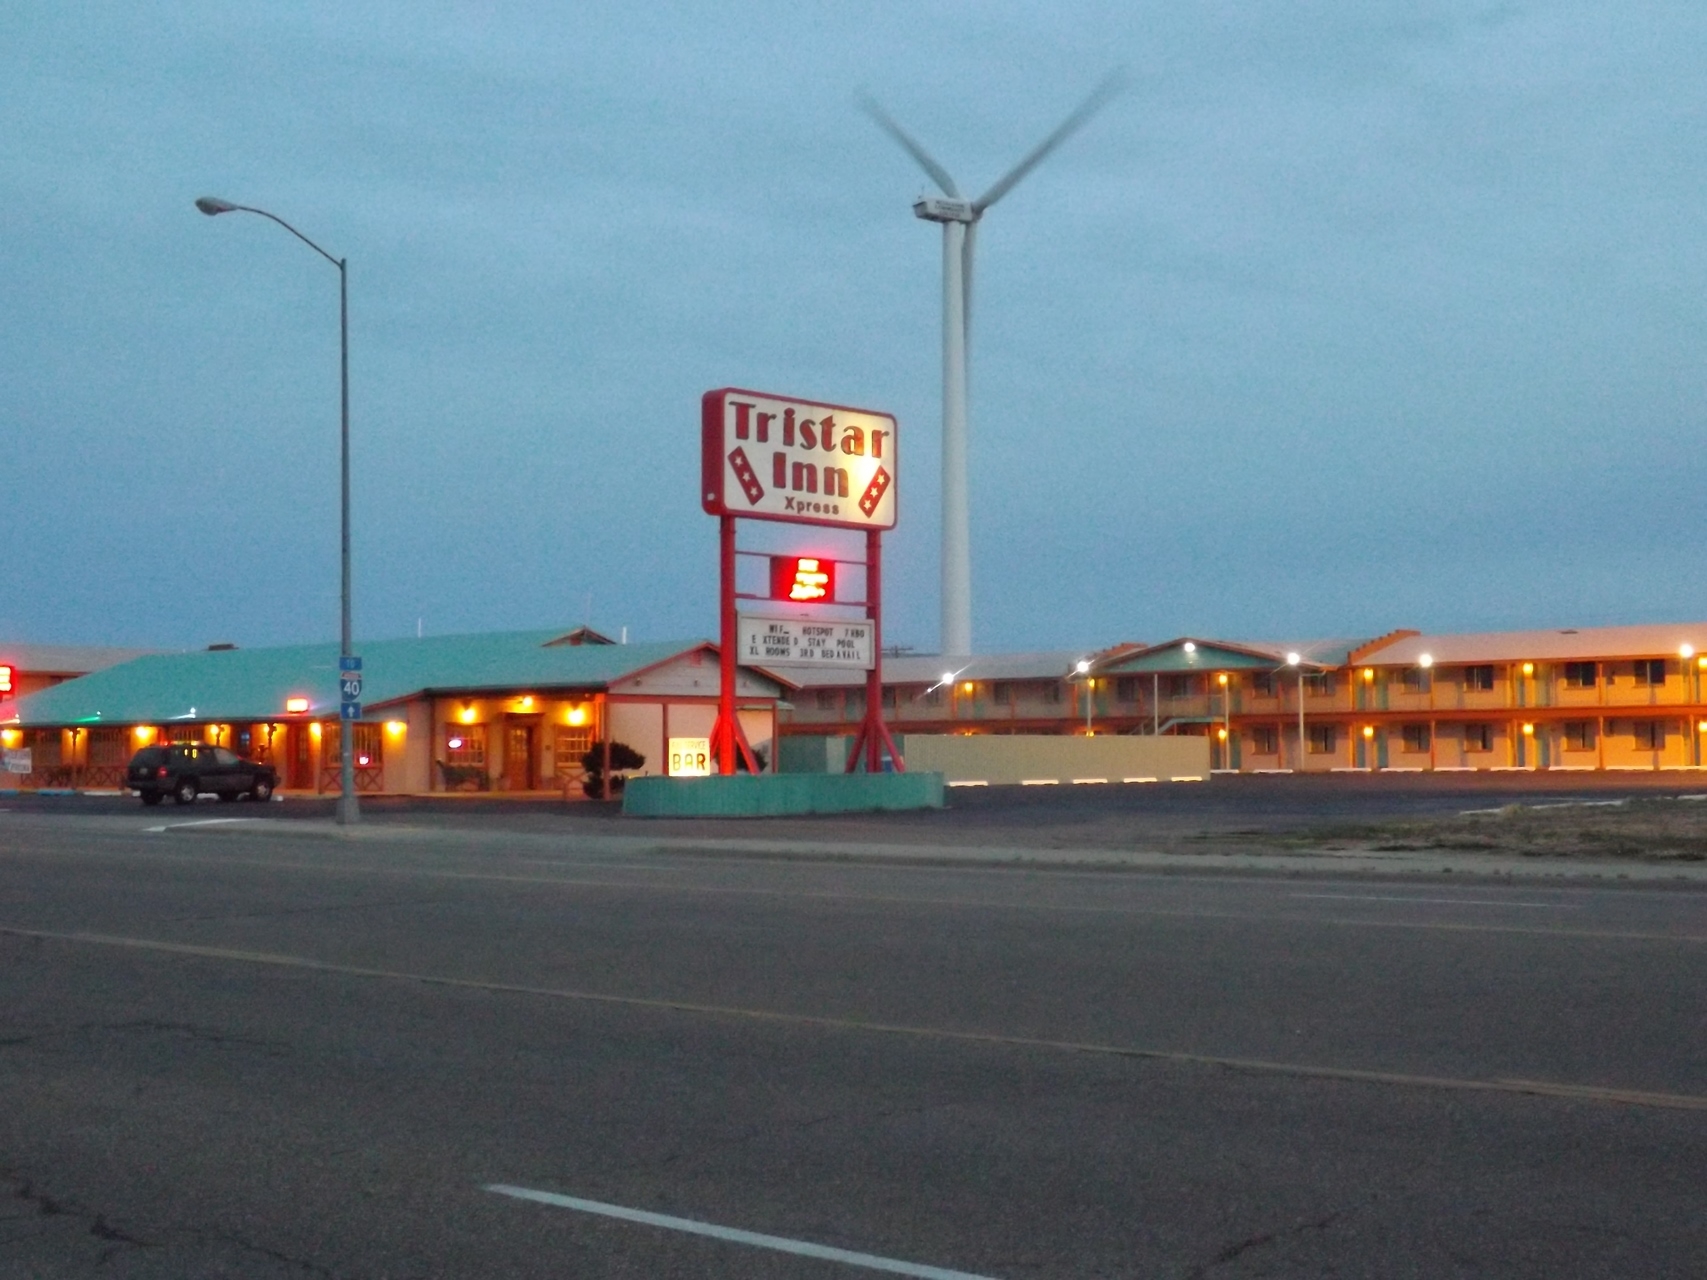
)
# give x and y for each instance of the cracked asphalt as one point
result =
(266, 1053)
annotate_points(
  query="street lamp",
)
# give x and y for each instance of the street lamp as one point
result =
(1083, 667)
(1297, 660)
(349, 812)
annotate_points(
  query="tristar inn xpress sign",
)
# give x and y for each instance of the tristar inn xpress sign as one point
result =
(765, 457)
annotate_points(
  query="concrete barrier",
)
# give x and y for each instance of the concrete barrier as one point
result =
(779, 794)
(1044, 759)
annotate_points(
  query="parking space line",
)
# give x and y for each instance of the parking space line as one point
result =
(734, 1235)
(827, 1022)
(1451, 902)
(196, 822)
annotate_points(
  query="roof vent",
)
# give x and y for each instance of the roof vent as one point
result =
(222, 647)
(1568, 631)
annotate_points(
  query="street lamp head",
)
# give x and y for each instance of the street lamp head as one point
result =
(1426, 661)
(1082, 666)
(1293, 659)
(212, 205)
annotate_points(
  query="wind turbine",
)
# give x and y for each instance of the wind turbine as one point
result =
(959, 218)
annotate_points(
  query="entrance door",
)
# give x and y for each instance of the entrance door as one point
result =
(519, 770)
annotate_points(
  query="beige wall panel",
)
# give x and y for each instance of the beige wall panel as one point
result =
(641, 726)
(1012, 758)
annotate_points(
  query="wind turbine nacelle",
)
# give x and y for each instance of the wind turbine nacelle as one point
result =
(942, 209)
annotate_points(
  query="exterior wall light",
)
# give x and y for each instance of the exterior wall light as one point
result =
(395, 728)
(577, 715)
(1425, 661)
(1529, 668)
(1369, 675)
(1686, 651)
(1190, 646)
(1368, 731)
(1528, 730)
(296, 706)
(466, 715)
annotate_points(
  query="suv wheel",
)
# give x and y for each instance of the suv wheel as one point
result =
(185, 792)
(263, 790)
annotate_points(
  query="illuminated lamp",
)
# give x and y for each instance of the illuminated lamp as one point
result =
(1528, 730)
(1426, 661)
(1529, 668)
(577, 716)
(526, 702)
(314, 730)
(1686, 651)
(1190, 646)
(1368, 675)
(10, 737)
(1221, 734)
(1369, 731)
(803, 579)
(1223, 679)
(395, 728)
(966, 687)
(1082, 666)
(364, 759)
(467, 713)
(296, 706)
(1701, 727)
(6, 683)
(455, 744)
(1293, 659)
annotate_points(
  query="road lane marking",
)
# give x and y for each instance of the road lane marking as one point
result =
(1260, 1066)
(735, 1235)
(1454, 902)
(198, 822)
(226, 862)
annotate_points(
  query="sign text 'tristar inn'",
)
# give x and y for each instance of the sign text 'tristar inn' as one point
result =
(766, 457)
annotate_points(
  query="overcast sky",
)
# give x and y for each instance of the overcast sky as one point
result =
(1344, 317)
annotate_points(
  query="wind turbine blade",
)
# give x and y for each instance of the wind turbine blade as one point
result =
(885, 122)
(1111, 85)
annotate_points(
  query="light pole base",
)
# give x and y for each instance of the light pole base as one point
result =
(349, 811)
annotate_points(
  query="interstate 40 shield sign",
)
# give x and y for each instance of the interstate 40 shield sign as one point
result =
(768, 457)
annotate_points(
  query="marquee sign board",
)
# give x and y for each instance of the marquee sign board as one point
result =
(767, 457)
(802, 642)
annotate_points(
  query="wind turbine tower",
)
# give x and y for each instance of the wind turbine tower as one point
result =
(959, 218)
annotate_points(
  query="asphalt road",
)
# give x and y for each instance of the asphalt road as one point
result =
(266, 1053)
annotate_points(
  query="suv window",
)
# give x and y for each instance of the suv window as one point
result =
(151, 757)
(224, 757)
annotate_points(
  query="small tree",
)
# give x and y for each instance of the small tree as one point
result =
(622, 756)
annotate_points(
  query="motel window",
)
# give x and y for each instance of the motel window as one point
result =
(1580, 675)
(1265, 740)
(1319, 684)
(1178, 686)
(1262, 684)
(889, 696)
(1481, 677)
(827, 699)
(1002, 693)
(1650, 734)
(1417, 680)
(933, 696)
(47, 748)
(1414, 737)
(572, 746)
(1323, 739)
(1126, 689)
(1650, 671)
(109, 746)
(1478, 737)
(181, 733)
(1051, 691)
(369, 738)
(465, 744)
(1580, 734)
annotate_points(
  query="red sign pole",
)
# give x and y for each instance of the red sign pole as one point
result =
(873, 736)
(727, 736)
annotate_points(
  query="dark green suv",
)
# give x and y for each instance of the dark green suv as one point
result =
(186, 770)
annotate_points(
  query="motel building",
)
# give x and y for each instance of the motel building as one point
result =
(510, 712)
(1612, 698)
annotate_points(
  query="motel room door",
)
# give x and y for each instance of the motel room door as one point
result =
(521, 744)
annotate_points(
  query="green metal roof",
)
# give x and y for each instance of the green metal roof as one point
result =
(253, 684)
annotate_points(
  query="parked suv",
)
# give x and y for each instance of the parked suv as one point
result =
(188, 769)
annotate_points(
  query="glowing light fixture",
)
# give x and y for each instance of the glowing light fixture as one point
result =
(314, 731)
(966, 687)
(395, 728)
(1293, 659)
(577, 716)
(1426, 661)
(1686, 651)
(1221, 734)
(803, 579)
(364, 760)
(466, 715)
(1222, 679)
(5, 678)
(1529, 668)
(1191, 646)
(455, 744)
(1082, 666)
(1528, 730)
(1368, 675)
(1369, 731)
(296, 706)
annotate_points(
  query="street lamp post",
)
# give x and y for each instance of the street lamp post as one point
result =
(349, 811)
(1083, 667)
(1297, 660)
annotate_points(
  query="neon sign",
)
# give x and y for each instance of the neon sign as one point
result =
(803, 579)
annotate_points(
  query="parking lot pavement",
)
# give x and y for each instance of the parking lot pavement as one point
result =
(287, 1055)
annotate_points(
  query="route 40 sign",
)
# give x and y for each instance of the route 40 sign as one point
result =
(766, 457)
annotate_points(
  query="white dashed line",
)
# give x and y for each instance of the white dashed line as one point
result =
(199, 822)
(734, 1235)
(1450, 902)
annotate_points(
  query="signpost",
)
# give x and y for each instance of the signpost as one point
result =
(770, 457)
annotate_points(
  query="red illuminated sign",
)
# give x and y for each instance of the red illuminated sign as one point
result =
(5, 679)
(803, 579)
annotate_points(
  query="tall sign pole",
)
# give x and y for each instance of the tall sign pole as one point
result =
(795, 461)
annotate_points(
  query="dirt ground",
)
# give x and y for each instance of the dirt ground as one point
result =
(1656, 829)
